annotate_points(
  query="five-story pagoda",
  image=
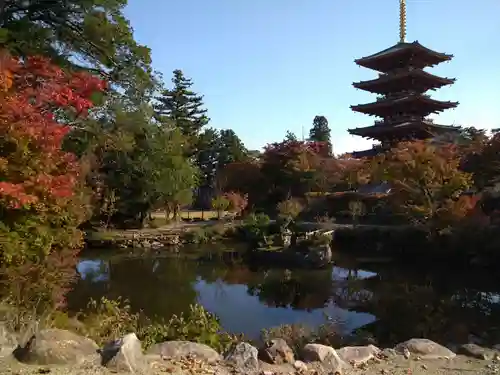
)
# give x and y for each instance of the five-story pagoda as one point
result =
(401, 85)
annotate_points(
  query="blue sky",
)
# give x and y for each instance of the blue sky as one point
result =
(268, 66)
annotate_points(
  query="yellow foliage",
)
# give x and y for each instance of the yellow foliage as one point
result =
(6, 80)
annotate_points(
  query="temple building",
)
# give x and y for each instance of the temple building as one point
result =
(402, 103)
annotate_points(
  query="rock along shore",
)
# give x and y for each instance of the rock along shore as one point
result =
(58, 352)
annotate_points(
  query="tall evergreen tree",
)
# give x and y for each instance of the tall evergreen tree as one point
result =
(232, 148)
(207, 157)
(183, 107)
(320, 131)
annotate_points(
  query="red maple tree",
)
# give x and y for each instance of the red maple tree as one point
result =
(41, 203)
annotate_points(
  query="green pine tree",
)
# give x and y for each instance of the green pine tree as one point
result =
(182, 107)
(232, 148)
(320, 131)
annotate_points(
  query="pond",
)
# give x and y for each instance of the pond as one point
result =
(390, 303)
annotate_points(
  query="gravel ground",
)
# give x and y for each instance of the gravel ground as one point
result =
(397, 366)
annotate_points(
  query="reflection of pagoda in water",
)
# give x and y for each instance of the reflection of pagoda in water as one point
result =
(402, 103)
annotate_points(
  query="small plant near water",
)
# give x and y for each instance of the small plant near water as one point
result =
(195, 236)
(205, 235)
(197, 325)
(315, 240)
(106, 320)
(255, 228)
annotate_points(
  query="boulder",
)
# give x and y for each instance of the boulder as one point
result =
(300, 366)
(277, 352)
(181, 349)
(8, 341)
(356, 355)
(425, 349)
(125, 355)
(389, 353)
(476, 351)
(319, 256)
(326, 355)
(244, 357)
(56, 347)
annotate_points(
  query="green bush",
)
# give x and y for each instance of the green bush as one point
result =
(197, 325)
(107, 320)
(255, 228)
(195, 236)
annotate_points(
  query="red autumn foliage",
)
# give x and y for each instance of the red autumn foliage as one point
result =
(289, 168)
(243, 177)
(38, 91)
(299, 155)
(237, 201)
(41, 202)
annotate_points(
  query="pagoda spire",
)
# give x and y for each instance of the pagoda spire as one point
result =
(402, 21)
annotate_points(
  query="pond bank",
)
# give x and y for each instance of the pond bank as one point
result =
(464, 248)
(51, 353)
(152, 238)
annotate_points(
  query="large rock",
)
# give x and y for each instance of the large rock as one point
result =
(326, 355)
(244, 357)
(319, 256)
(56, 347)
(181, 349)
(356, 355)
(125, 355)
(8, 341)
(425, 349)
(277, 352)
(476, 351)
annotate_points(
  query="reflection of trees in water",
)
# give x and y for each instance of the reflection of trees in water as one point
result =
(424, 307)
(443, 306)
(159, 287)
(298, 289)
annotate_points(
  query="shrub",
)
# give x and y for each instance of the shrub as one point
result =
(107, 320)
(237, 202)
(290, 208)
(196, 236)
(220, 204)
(255, 228)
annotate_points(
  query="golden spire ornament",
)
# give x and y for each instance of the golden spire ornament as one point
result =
(402, 21)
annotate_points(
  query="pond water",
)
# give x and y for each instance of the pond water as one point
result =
(388, 302)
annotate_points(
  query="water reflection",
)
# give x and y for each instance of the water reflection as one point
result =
(391, 304)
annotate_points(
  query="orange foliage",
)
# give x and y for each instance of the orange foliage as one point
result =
(427, 181)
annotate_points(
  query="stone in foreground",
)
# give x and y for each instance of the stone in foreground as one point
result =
(244, 357)
(277, 352)
(326, 355)
(125, 355)
(425, 349)
(357, 355)
(56, 347)
(476, 351)
(182, 349)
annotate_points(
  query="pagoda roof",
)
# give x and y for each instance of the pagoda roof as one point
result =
(406, 130)
(414, 104)
(415, 79)
(403, 55)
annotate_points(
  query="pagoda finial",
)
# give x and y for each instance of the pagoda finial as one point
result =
(402, 21)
